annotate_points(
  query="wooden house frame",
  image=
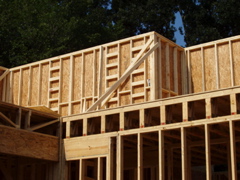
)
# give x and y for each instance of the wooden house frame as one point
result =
(141, 108)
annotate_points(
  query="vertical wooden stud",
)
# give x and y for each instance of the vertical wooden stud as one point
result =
(189, 72)
(28, 119)
(207, 152)
(85, 124)
(167, 68)
(231, 63)
(159, 71)
(20, 88)
(153, 70)
(122, 118)
(142, 118)
(103, 124)
(233, 104)
(119, 158)
(29, 86)
(184, 153)
(70, 95)
(140, 157)
(163, 114)
(185, 111)
(203, 70)
(208, 106)
(161, 155)
(175, 64)
(68, 127)
(233, 150)
(217, 66)
(39, 84)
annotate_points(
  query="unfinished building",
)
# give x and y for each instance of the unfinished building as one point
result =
(141, 108)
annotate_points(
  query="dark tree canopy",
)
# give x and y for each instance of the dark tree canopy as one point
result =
(32, 30)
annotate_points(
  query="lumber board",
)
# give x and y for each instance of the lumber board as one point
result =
(24, 143)
(82, 147)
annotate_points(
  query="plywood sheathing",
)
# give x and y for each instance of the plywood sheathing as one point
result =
(213, 65)
(71, 83)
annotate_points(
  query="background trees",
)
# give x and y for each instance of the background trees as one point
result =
(32, 30)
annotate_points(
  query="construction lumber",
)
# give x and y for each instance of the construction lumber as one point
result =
(28, 144)
(213, 65)
(72, 83)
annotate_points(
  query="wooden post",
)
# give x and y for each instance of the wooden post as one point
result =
(208, 153)
(161, 155)
(121, 123)
(233, 150)
(184, 153)
(185, 111)
(142, 118)
(103, 124)
(163, 114)
(140, 157)
(119, 158)
(153, 71)
(233, 104)
(68, 126)
(208, 107)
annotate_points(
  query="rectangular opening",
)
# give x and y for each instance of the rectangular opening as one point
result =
(195, 137)
(130, 157)
(172, 144)
(221, 106)
(131, 120)
(73, 170)
(174, 113)
(196, 110)
(150, 155)
(76, 128)
(112, 123)
(152, 117)
(94, 125)
(220, 150)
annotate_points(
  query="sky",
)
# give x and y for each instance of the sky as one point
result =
(178, 23)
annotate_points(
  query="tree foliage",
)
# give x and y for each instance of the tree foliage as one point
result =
(32, 30)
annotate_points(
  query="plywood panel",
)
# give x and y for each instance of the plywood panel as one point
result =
(65, 80)
(124, 63)
(76, 108)
(179, 65)
(28, 144)
(44, 84)
(64, 110)
(82, 147)
(125, 99)
(77, 77)
(15, 88)
(196, 70)
(210, 68)
(224, 65)
(236, 61)
(25, 86)
(88, 77)
(171, 68)
(35, 86)
(163, 61)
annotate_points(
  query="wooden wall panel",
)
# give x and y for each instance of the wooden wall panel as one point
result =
(25, 87)
(214, 65)
(196, 69)
(28, 144)
(71, 83)
(35, 86)
(236, 61)
(224, 65)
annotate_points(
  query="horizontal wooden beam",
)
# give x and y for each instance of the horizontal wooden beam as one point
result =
(28, 144)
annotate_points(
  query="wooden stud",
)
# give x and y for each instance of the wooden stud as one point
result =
(175, 64)
(231, 63)
(85, 126)
(29, 86)
(163, 114)
(121, 119)
(184, 153)
(39, 83)
(160, 69)
(185, 111)
(141, 118)
(208, 152)
(170, 163)
(233, 104)
(233, 150)
(4, 89)
(203, 70)
(70, 95)
(217, 66)
(153, 71)
(4, 74)
(20, 88)
(28, 119)
(119, 158)
(140, 157)
(189, 72)
(103, 124)
(208, 107)
(161, 155)
(167, 76)
(100, 71)
(19, 117)
(68, 129)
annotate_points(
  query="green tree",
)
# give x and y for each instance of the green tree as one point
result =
(207, 20)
